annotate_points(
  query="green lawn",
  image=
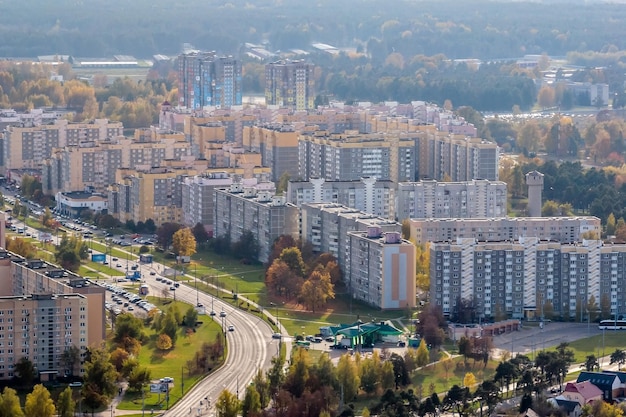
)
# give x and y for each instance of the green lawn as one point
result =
(444, 379)
(171, 363)
(112, 250)
(595, 346)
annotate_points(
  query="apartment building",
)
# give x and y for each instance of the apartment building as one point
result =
(94, 164)
(367, 194)
(325, 226)
(254, 209)
(465, 199)
(206, 79)
(155, 194)
(351, 156)
(560, 229)
(290, 84)
(380, 269)
(198, 198)
(44, 310)
(277, 145)
(378, 266)
(528, 277)
(28, 146)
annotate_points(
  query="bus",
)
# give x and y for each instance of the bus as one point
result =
(612, 325)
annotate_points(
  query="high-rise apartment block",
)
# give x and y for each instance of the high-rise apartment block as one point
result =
(559, 229)
(466, 199)
(30, 145)
(94, 165)
(380, 269)
(208, 80)
(529, 278)
(351, 156)
(198, 198)
(290, 84)
(255, 209)
(278, 146)
(368, 195)
(378, 266)
(45, 310)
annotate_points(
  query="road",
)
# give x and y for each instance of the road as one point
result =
(249, 347)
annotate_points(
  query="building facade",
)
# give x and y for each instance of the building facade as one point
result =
(467, 199)
(290, 84)
(198, 198)
(367, 195)
(376, 271)
(254, 209)
(206, 79)
(45, 310)
(559, 229)
(380, 269)
(529, 277)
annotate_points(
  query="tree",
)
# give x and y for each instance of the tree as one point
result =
(128, 326)
(457, 399)
(184, 242)
(298, 374)
(165, 234)
(38, 403)
(70, 252)
(317, 289)
(10, 404)
(370, 374)
(227, 404)
(422, 354)
(191, 317)
(70, 358)
(292, 257)
(251, 406)
(488, 395)
(25, 371)
(21, 247)
(164, 342)
(118, 357)
(591, 363)
(387, 376)
(200, 234)
(139, 376)
(469, 380)
(100, 376)
(65, 403)
(348, 375)
(546, 97)
(618, 357)
(247, 247)
(261, 385)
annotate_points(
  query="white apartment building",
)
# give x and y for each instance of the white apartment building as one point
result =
(466, 199)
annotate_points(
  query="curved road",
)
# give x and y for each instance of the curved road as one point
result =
(249, 347)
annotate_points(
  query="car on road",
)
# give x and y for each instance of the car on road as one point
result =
(152, 273)
(118, 265)
(277, 335)
(76, 384)
(222, 314)
(115, 259)
(330, 339)
(172, 288)
(231, 328)
(167, 380)
(177, 285)
(212, 313)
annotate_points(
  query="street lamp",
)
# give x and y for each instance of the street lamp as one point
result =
(196, 282)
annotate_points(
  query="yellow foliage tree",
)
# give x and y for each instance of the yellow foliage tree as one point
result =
(164, 342)
(184, 242)
(469, 380)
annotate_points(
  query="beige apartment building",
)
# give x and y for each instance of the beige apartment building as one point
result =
(93, 165)
(278, 146)
(29, 145)
(44, 310)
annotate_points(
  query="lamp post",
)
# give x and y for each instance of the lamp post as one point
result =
(195, 277)
(112, 410)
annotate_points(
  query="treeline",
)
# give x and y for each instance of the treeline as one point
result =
(479, 28)
(135, 104)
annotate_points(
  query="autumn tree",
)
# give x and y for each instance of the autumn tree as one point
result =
(184, 242)
(10, 404)
(38, 403)
(164, 342)
(65, 403)
(546, 96)
(227, 404)
(292, 257)
(251, 406)
(348, 375)
(422, 354)
(317, 289)
(21, 247)
(200, 234)
(281, 243)
(70, 252)
(165, 234)
(469, 380)
(281, 280)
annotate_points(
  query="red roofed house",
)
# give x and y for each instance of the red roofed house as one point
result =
(582, 392)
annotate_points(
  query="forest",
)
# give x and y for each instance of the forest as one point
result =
(483, 29)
